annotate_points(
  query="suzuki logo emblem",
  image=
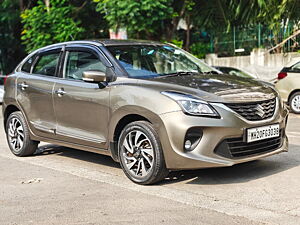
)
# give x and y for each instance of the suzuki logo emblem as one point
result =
(260, 111)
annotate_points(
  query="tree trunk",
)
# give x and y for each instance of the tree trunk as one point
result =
(188, 32)
(47, 3)
(174, 23)
(21, 5)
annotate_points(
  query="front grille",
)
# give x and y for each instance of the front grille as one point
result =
(251, 112)
(237, 147)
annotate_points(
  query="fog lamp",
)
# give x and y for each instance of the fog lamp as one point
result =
(192, 138)
(187, 145)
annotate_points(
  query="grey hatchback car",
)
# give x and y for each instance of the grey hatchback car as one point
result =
(151, 106)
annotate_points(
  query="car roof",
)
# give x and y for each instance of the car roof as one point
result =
(111, 42)
(100, 42)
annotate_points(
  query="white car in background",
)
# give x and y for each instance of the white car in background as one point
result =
(1, 93)
(288, 86)
(1, 88)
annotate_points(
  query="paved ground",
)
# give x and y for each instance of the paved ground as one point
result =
(67, 186)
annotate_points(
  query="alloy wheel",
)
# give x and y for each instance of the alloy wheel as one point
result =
(138, 153)
(16, 134)
(295, 103)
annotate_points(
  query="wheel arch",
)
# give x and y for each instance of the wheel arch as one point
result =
(121, 118)
(292, 92)
(9, 110)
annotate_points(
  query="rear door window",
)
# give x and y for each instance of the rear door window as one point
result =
(27, 65)
(296, 68)
(47, 64)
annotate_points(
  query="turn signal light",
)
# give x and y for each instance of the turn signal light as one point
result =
(4, 79)
(282, 75)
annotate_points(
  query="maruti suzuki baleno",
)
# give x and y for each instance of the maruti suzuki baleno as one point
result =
(151, 106)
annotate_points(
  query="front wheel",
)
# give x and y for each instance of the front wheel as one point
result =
(141, 154)
(294, 103)
(18, 137)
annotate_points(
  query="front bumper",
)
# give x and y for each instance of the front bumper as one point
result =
(230, 125)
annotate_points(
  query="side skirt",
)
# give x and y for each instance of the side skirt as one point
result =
(72, 145)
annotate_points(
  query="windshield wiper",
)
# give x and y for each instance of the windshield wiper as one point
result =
(211, 72)
(180, 73)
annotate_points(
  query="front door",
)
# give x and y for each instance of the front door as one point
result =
(82, 108)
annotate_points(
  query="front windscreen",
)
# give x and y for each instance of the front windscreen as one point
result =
(146, 61)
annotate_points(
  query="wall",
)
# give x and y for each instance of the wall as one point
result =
(265, 65)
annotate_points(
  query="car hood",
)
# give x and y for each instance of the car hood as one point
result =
(220, 87)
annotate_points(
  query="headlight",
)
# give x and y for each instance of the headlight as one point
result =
(192, 105)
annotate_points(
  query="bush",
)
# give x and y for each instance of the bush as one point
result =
(200, 49)
(44, 26)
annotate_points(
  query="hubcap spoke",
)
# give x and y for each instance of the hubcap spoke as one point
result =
(138, 167)
(10, 132)
(13, 123)
(144, 172)
(20, 131)
(137, 136)
(147, 158)
(149, 151)
(131, 164)
(20, 142)
(126, 145)
(130, 140)
(142, 141)
(13, 141)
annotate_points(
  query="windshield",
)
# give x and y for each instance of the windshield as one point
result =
(147, 61)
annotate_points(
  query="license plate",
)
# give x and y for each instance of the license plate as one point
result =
(261, 133)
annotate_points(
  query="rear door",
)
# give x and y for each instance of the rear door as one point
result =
(35, 85)
(82, 108)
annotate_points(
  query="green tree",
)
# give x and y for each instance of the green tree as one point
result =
(49, 22)
(11, 50)
(93, 22)
(142, 19)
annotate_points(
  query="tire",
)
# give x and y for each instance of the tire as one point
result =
(17, 134)
(141, 154)
(294, 103)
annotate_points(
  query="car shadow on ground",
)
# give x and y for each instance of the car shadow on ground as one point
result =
(91, 157)
(239, 173)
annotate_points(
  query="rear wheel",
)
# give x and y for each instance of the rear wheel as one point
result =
(294, 103)
(18, 137)
(141, 154)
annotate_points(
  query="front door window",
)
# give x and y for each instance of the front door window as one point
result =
(78, 62)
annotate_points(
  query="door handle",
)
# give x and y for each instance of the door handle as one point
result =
(23, 86)
(60, 92)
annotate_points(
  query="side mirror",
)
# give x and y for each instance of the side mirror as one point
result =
(94, 76)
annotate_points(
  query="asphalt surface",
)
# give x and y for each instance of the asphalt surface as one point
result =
(66, 186)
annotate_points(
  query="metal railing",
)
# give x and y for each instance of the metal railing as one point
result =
(241, 40)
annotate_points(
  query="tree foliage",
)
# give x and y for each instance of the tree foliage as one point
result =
(44, 25)
(140, 18)
(10, 27)
(49, 21)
